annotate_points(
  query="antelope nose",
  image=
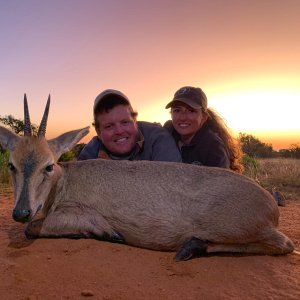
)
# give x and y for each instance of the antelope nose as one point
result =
(21, 215)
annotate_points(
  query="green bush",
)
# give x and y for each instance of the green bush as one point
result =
(251, 166)
(72, 154)
(67, 156)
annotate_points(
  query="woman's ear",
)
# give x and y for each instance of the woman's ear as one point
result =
(204, 117)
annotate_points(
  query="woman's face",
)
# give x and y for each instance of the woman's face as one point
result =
(187, 120)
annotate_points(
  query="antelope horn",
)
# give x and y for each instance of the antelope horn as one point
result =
(27, 124)
(42, 128)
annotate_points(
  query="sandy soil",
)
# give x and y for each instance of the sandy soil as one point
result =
(76, 269)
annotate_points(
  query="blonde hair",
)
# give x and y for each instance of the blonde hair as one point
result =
(217, 125)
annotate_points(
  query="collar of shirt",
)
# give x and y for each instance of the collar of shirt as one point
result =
(195, 140)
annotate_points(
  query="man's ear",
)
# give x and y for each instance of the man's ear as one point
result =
(98, 131)
(67, 141)
(8, 139)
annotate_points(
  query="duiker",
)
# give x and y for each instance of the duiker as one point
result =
(157, 205)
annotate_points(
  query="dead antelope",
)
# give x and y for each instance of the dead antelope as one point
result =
(163, 206)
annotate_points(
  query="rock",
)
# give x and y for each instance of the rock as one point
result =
(87, 293)
(279, 198)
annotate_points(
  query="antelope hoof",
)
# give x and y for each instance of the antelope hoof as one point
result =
(33, 229)
(114, 237)
(191, 248)
(117, 238)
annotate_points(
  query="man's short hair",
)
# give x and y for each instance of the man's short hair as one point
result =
(107, 100)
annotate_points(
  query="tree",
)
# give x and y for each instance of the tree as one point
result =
(285, 153)
(295, 149)
(16, 125)
(292, 152)
(253, 147)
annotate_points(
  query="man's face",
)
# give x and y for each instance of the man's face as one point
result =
(118, 130)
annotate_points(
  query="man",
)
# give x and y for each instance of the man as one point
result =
(120, 136)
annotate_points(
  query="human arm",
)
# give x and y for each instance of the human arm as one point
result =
(217, 156)
(90, 150)
(163, 146)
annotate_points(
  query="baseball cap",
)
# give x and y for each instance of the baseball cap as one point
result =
(192, 96)
(108, 94)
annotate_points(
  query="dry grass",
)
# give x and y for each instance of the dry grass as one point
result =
(5, 186)
(5, 189)
(4, 176)
(282, 173)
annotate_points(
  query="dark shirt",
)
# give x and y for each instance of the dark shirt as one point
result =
(154, 143)
(206, 148)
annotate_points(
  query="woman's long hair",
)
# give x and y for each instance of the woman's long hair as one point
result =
(217, 124)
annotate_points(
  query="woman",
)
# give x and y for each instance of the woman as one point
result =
(200, 133)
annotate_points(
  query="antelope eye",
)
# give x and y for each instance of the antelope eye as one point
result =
(49, 168)
(11, 166)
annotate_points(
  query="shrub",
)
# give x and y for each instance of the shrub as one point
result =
(67, 156)
(253, 147)
(251, 166)
(72, 154)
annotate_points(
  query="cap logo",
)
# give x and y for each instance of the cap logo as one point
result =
(183, 91)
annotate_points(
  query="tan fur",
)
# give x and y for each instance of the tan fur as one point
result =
(155, 205)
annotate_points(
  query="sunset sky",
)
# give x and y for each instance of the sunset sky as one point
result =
(244, 54)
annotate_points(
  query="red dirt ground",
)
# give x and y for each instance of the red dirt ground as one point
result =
(78, 269)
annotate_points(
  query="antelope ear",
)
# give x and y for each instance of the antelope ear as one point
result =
(8, 139)
(67, 141)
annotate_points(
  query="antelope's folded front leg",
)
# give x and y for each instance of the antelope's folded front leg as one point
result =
(67, 225)
(33, 229)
